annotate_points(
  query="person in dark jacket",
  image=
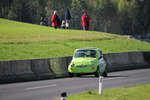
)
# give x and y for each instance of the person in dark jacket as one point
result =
(45, 21)
(85, 21)
(55, 20)
(41, 21)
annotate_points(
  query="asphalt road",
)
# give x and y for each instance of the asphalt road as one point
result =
(49, 89)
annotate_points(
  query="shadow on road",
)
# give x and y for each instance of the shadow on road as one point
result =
(92, 76)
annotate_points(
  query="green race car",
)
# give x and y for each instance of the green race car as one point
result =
(88, 61)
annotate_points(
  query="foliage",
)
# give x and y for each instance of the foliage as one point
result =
(113, 16)
(105, 12)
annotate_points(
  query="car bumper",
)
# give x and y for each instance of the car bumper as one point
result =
(79, 70)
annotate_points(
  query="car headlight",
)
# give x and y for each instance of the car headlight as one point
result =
(91, 64)
(72, 65)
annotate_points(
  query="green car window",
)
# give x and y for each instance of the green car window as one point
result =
(85, 53)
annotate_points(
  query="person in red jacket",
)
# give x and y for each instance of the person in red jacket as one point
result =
(85, 21)
(55, 20)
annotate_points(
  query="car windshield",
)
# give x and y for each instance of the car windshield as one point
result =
(85, 53)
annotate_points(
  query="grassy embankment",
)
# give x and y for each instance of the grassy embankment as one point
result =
(27, 41)
(139, 92)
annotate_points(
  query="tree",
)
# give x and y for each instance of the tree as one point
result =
(36, 9)
(134, 16)
(123, 19)
(104, 11)
(146, 17)
(5, 6)
(114, 16)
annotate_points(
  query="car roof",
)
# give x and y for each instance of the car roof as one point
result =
(88, 48)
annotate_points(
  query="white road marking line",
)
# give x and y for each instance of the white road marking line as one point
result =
(39, 87)
(114, 78)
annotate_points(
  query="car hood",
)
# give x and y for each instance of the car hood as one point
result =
(83, 60)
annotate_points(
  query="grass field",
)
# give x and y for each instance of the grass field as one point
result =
(28, 41)
(139, 92)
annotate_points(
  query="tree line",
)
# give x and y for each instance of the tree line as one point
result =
(112, 16)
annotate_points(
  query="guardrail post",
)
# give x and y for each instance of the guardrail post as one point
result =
(63, 96)
(100, 84)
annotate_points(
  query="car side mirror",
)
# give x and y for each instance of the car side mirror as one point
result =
(100, 57)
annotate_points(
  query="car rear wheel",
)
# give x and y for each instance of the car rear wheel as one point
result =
(78, 75)
(105, 73)
(70, 75)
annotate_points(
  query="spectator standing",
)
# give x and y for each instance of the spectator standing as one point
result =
(41, 21)
(63, 25)
(55, 20)
(67, 18)
(45, 21)
(85, 22)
